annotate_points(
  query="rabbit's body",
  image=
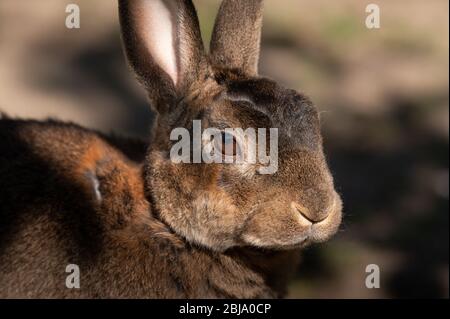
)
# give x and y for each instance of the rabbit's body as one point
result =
(110, 232)
(139, 223)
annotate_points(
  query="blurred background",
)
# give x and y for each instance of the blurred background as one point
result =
(383, 96)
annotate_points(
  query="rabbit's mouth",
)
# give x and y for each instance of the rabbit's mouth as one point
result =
(327, 227)
(323, 226)
(295, 229)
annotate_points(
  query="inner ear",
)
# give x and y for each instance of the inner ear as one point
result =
(149, 31)
(158, 24)
(163, 44)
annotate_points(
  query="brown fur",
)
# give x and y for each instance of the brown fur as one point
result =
(150, 228)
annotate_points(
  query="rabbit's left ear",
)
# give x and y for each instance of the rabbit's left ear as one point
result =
(236, 37)
(163, 44)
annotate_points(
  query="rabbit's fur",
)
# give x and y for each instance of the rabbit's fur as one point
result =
(139, 225)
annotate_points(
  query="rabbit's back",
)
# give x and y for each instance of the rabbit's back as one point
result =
(64, 192)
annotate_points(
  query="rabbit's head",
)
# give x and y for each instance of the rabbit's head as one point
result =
(286, 202)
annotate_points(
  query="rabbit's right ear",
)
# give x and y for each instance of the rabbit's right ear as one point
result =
(163, 45)
(236, 37)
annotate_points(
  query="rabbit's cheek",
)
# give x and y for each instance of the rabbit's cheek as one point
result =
(194, 207)
(245, 170)
(214, 221)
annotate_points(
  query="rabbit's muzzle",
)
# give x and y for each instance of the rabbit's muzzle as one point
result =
(292, 225)
(320, 225)
(296, 207)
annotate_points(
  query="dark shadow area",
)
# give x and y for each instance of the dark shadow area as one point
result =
(399, 186)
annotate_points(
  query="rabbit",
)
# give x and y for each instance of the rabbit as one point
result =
(139, 225)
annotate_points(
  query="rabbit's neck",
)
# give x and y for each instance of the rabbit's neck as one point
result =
(276, 267)
(236, 273)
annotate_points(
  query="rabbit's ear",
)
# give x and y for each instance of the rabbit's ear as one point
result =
(236, 36)
(163, 44)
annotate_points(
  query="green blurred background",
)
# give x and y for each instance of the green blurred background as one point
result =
(384, 101)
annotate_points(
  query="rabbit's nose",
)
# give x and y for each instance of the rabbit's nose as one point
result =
(311, 216)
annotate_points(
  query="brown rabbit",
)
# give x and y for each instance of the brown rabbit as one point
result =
(139, 225)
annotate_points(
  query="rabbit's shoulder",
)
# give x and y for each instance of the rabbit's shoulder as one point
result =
(57, 163)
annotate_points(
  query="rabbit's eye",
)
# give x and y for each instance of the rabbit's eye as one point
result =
(229, 144)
